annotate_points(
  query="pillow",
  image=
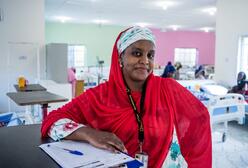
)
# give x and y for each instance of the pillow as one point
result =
(214, 89)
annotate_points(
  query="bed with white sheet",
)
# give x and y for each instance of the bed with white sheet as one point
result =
(222, 106)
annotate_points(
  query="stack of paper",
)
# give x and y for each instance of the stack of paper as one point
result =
(72, 154)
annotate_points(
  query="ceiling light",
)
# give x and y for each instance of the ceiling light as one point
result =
(211, 11)
(101, 21)
(165, 4)
(63, 19)
(78, 2)
(143, 24)
(175, 27)
(206, 29)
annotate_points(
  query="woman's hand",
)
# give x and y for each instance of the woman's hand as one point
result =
(99, 139)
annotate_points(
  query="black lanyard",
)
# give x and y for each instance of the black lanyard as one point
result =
(137, 114)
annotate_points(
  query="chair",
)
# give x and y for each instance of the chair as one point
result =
(10, 119)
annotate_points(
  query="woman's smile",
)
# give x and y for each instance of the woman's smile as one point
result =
(142, 69)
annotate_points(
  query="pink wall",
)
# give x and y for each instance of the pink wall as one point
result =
(168, 41)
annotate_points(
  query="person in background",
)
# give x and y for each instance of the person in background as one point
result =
(177, 66)
(200, 73)
(241, 86)
(72, 79)
(169, 71)
(135, 111)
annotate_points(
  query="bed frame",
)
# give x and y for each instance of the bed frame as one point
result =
(230, 107)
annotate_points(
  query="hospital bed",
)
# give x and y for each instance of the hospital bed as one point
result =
(222, 106)
(229, 107)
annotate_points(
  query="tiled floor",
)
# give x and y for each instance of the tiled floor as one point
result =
(234, 152)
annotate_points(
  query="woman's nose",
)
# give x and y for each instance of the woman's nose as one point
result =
(144, 59)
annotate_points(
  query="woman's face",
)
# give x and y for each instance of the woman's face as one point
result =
(138, 61)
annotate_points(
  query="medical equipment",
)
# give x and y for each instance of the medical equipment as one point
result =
(222, 106)
(230, 107)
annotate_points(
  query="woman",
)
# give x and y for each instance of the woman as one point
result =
(71, 74)
(169, 71)
(177, 66)
(200, 73)
(136, 111)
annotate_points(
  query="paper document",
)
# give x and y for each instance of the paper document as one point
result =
(73, 154)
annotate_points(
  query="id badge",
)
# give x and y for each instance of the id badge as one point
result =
(143, 158)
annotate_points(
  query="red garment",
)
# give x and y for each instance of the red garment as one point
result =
(166, 104)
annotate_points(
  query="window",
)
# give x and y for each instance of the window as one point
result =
(243, 54)
(187, 56)
(76, 55)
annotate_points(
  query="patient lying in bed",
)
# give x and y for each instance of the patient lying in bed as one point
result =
(241, 87)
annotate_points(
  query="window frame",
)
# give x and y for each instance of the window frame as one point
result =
(72, 61)
(190, 62)
(243, 57)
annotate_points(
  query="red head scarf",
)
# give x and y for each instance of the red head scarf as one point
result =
(167, 104)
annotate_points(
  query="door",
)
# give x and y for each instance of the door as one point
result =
(23, 60)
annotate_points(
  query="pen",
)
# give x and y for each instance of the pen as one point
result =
(88, 164)
(74, 152)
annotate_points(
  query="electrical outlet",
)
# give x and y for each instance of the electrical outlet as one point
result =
(1, 15)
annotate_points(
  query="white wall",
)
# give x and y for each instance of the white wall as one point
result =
(231, 23)
(23, 22)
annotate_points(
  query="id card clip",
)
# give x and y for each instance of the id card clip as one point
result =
(143, 158)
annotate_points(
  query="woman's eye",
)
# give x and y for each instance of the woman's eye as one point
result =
(150, 56)
(137, 53)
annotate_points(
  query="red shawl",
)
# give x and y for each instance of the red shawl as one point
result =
(167, 104)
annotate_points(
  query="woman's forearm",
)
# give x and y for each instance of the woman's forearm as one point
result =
(81, 134)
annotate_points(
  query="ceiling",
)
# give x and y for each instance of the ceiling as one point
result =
(188, 14)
